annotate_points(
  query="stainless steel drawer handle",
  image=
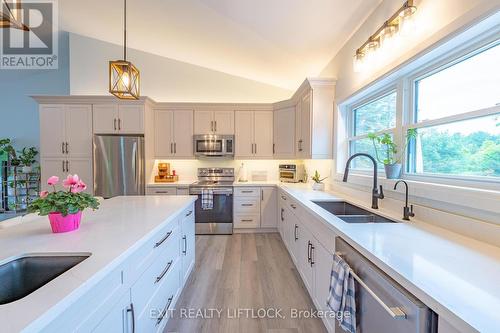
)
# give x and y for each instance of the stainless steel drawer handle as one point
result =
(189, 213)
(246, 220)
(247, 205)
(163, 239)
(295, 233)
(131, 311)
(162, 192)
(283, 197)
(246, 191)
(165, 270)
(394, 312)
(293, 206)
(164, 312)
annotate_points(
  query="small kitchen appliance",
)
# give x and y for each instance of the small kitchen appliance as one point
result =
(213, 146)
(291, 173)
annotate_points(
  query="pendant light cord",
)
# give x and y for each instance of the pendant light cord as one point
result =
(125, 30)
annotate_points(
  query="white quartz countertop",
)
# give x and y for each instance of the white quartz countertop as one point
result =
(456, 276)
(110, 234)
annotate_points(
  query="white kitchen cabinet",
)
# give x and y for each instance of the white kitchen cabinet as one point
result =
(173, 133)
(119, 319)
(268, 206)
(303, 126)
(305, 249)
(62, 167)
(293, 235)
(52, 130)
(182, 190)
(161, 190)
(214, 122)
(254, 134)
(118, 119)
(323, 260)
(284, 133)
(188, 244)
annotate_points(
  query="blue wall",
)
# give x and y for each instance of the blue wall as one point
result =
(18, 111)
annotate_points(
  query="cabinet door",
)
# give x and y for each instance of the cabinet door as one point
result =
(105, 118)
(188, 243)
(224, 122)
(51, 167)
(284, 133)
(294, 232)
(263, 134)
(203, 122)
(79, 131)
(244, 128)
(268, 207)
(119, 319)
(164, 133)
(52, 130)
(305, 125)
(83, 168)
(131, 119)
(304, 256)
(323, 260)
(183, 134)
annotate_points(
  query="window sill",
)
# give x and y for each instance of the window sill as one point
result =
(439, 196)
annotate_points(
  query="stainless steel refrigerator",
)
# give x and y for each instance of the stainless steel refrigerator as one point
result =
(118, 165)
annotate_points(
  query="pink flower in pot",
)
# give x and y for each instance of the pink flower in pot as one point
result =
(78, 187)
(53, 180)
(44, 194)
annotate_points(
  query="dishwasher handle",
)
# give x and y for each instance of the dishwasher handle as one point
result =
(395, 312)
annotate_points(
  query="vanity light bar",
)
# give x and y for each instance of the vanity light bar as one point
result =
(390, 26)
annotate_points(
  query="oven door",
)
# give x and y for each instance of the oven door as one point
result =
(219, 219)
(209, 145)
(289, 176)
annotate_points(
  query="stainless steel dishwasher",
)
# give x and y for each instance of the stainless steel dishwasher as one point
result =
(382, 305)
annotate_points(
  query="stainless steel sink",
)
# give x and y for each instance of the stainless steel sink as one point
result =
(350, 213)
(22, 276)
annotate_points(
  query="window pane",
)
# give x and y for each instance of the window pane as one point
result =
(470, 85)
(375, 116)
(470, 148)
(363, 146)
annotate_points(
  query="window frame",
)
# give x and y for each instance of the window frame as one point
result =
(406, 114)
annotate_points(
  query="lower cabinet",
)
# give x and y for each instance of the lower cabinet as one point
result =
(167, 190)
(254, 208)
(139, 294)
(312, 259)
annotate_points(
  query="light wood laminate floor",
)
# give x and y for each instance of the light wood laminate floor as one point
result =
(242, 271)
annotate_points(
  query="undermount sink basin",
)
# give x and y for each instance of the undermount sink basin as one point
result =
(22, 276)
(350, 213)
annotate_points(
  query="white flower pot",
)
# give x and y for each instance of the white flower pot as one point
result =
(318, 186)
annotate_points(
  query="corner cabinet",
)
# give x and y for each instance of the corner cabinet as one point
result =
(173, 136)
(66, 142)
(254, 134)
(284, 132)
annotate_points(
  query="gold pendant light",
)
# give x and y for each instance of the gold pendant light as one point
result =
(124, 77)
(10, 15)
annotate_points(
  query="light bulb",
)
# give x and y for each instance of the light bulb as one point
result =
(126, 79)
(358, 62)
(406, 20)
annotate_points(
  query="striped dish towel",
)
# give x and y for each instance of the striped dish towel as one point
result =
(207, 199)
(342, 294)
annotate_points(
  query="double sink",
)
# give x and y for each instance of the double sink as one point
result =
(350, 213)
(22, 276)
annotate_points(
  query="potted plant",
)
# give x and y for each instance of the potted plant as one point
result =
(64, 207)
(318, 184)
(384, 145)
(27, 158)
(7, 151)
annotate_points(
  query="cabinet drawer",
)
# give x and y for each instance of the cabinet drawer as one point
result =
(161, 191)
(155, 314)
(183, 190)
(247, 221)
(246, 205)
(149, 282)
(148, 253)
(247, 192)
(283, 197)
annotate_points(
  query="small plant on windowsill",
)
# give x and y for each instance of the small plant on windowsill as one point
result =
(27, 158)
(64, 207)
(318, 184)
(391, 158)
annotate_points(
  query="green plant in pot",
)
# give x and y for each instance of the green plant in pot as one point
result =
(27, 158)
(387, 153)
(318, 184)
(7, 152)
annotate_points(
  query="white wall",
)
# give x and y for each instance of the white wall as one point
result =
(435, 20)
(163, 79)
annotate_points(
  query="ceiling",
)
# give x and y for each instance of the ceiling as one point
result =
(278, 42)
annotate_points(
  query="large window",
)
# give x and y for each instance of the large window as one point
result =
(378, 115)
(457, 115)
(455, 109)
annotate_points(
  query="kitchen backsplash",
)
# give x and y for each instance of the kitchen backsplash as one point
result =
(186, 169)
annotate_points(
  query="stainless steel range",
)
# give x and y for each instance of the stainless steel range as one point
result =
(217, 220)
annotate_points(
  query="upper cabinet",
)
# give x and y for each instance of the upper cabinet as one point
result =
(254, 134)
(214, 122)
(66, 131)
(173, 133)
(314, 120)
(118, 119)
(284, 132)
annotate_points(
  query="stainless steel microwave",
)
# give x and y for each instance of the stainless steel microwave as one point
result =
(211, 145)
